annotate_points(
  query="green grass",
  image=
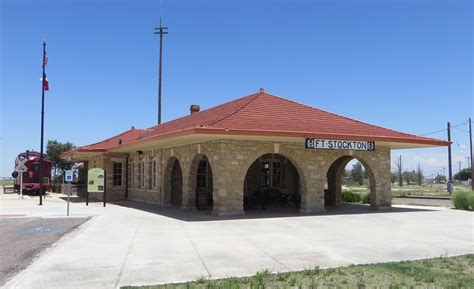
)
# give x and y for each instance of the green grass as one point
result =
(426, 190)
(407, 190)
(7, 182)
(442, 272)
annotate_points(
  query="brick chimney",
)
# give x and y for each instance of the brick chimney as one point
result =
(194, 108)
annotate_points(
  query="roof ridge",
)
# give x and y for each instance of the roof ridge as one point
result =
(112, 137)
(348, 118)
(252, 98)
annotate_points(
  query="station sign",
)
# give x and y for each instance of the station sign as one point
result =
(328, 144)
(96, 180)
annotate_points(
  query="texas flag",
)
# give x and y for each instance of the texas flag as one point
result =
(46, 83)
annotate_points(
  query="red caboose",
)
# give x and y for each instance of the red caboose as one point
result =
(31, 176)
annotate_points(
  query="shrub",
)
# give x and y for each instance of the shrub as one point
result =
(350, 197)
(365, 198)
(463, 200)
(470, 200)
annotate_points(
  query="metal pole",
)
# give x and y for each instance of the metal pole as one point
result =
(68, 197)
(42, 128)
(126, 178)
(21, 185)
(105, 188)
(161, 31)
(161, 69)
(472, 160)
(450, 170)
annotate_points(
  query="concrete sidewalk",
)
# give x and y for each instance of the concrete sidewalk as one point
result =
(132, 244)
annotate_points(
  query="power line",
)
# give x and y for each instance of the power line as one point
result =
(461, 129)
(445, 130)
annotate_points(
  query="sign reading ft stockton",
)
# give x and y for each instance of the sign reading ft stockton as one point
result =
(328, 144)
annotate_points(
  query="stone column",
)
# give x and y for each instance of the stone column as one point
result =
(312, 190)
(381, 167)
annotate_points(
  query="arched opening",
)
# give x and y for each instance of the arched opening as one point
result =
(173, 194)
(176, 185)
(272, 180)
(349, 180)
(204, 184)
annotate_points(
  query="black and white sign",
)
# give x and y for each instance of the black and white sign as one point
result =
(328, 144)
(20, 165)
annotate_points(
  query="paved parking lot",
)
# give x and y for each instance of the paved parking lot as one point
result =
(134, 244)
(21, 239)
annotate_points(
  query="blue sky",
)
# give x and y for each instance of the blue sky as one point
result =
(405, 65)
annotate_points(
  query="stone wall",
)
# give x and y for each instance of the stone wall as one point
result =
(230, 160)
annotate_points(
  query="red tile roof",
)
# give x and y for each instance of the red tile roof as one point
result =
(268, 115)
(126, 137)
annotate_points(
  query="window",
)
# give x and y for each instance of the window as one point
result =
(271, 173)
(139, 174)
(276, 175)
(132, 175)
(142, 175)
(150, 175)
(154, 174)
(117, 174)
(202, 174)
(266, 174)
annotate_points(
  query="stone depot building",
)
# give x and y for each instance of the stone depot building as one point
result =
(254, 152)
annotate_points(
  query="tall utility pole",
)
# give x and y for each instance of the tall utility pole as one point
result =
(459, 169)
(43, 80)
(450, 169)
(472, 160)
(160, 30)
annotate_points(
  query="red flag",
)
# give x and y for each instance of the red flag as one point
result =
(46, 84)
(45, 59)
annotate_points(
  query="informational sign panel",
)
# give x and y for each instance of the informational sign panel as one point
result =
(68, 176)
(96, 180)
(327, 144)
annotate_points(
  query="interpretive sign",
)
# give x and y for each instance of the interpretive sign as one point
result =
(96, 180)
(327, 144)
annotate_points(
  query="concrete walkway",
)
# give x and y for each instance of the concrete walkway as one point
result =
(133, 244)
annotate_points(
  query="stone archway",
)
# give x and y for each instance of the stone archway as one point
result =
(201, 183)
(173, 187)
(271, 180)
(333, 194)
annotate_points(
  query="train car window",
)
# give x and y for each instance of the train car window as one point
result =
(36, 167)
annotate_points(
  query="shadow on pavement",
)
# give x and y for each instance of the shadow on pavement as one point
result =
(270, 212)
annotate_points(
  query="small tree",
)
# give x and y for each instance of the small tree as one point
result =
(440, 179)
(394, 177)
(357, 173)
(463, 175)
(54, 149)
(419, 175)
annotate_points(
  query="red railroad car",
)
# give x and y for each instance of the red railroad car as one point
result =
(31, 176)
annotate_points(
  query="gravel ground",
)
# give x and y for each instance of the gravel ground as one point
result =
(422, 202)
(22, 239)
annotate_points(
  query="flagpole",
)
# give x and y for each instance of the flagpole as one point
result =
(42, 127)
